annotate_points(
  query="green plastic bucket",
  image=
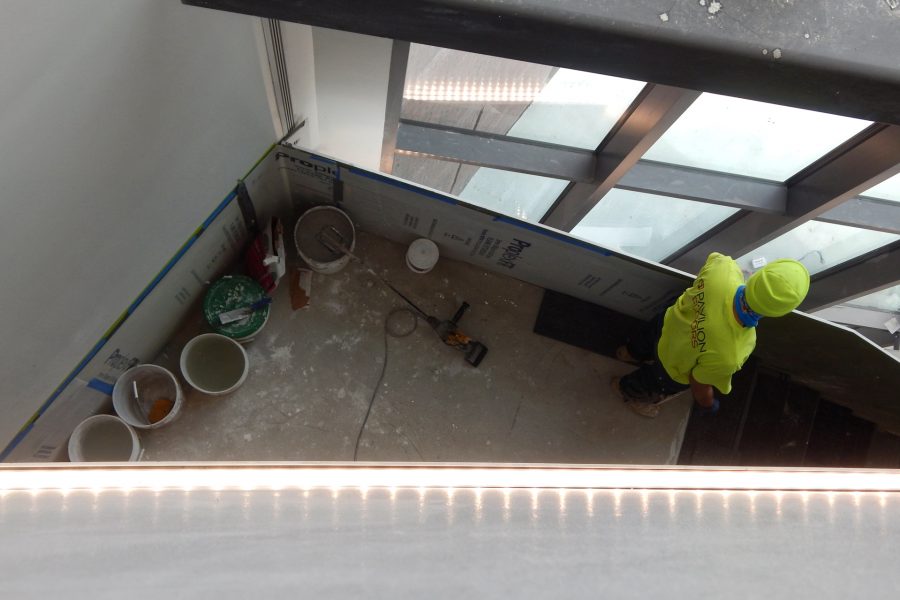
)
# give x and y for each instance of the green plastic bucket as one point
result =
(230, 293)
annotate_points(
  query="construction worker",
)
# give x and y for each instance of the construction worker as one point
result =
(705, 337)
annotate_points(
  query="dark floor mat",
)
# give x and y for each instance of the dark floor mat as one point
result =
(582, 324)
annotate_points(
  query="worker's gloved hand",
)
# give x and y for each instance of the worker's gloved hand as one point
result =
(708, 411)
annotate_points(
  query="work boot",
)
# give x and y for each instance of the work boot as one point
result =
(617, 391)
(645, 409)
(663, 398)
(624, 355)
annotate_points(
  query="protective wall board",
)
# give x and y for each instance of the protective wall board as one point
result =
(310, 178)
(49, 437)
(268, 188)
(841, 364)
(138, 335)
(538, 255)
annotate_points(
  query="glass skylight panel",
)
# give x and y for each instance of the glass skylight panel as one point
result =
(888, 300)
(647, 225)
(445, 176)
(819, 246)
(519, 195)
(886, 190)
(526, 100)
(468, 90)
(750, 138)
(576, 109)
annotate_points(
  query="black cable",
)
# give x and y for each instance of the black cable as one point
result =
(396, 334)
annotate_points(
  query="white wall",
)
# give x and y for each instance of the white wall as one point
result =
(301, 64)
(122, 125)
(351, 75)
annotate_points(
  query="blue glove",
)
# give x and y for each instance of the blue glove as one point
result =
(708, 411)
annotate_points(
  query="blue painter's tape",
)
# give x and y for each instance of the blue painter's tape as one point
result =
(216, 213)
(403, 186)
(161, 274)
(553, 234)
(322, 158)
(15, 441)
(181, 252)
(84, 361)
(101, 386)
(59, 390)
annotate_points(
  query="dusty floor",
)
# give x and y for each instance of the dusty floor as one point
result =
(313, 370)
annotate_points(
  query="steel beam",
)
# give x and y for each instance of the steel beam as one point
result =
(862, 162)
(868, 213)
(394, 104)
(836, 56)
(496, 151)
(700, 185)
(873, 274)
(655, 109)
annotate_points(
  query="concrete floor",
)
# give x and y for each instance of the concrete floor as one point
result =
(313, 370)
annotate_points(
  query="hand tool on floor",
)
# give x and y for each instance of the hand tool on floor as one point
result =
(447, 330)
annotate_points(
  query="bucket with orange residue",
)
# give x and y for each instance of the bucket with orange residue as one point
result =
(147, 397)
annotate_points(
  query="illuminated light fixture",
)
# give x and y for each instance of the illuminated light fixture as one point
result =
(403, 152)
(473, 91)
(254, 476)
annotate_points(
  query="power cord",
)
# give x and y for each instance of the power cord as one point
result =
(396, 331)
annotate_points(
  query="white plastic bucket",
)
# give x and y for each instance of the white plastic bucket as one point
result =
(422, 255)
(154, 384)
(307, 232)
(214, 364)
(104, 438)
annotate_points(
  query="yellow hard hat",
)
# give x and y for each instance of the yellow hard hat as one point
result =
(777, 288)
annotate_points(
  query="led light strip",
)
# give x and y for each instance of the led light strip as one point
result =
(309, 476)
(470, 91)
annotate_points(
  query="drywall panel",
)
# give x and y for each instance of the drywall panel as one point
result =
(123, 125)
(351, 73)
(268, 190)
(300, 61)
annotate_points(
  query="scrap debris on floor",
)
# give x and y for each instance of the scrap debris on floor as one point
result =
(346, 366)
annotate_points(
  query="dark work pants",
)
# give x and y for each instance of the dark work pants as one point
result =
(650, 382)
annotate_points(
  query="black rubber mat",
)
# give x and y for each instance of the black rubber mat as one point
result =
(582, 324)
